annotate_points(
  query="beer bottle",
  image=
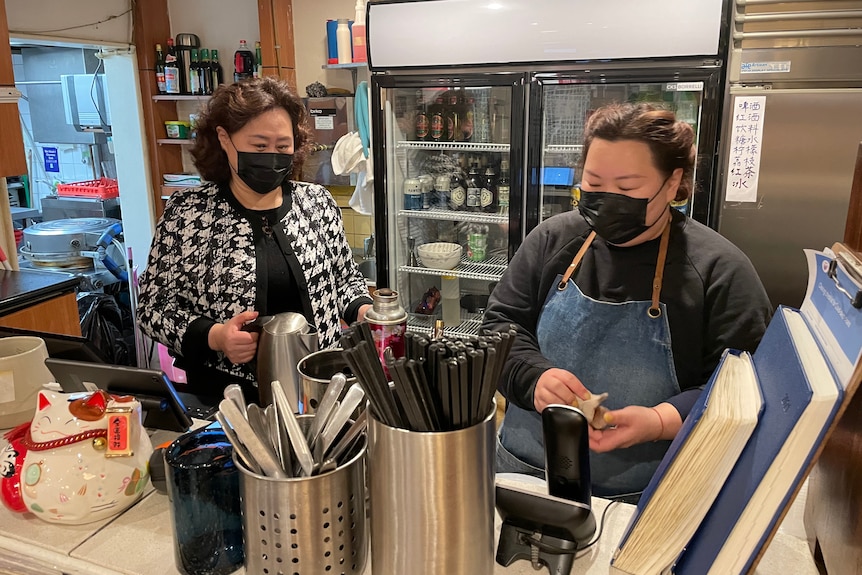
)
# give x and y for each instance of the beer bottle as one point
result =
(453, 119)
(437, 120)
(467, 126)
(457, 192)
(160, 70)
(258, 61)
(195, 74)
(474, 187)
(488, 197)
(421, 120)
(503, 188)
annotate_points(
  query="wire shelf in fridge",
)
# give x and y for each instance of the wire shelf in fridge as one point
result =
(454, 146)
(469, 326)
(563, 149)
(491, 269)
(450, 215)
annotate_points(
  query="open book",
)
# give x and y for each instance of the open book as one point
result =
(692, 472)
(804, 367)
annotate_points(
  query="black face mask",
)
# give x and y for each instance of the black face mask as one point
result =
(263, 171)
(615, 217)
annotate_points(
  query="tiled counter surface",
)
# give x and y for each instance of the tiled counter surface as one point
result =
(139, 542)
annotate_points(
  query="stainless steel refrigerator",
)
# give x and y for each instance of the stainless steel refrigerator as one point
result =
(518, 81)
(785, 178)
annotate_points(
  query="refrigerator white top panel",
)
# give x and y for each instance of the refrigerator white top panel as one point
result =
(474, 32)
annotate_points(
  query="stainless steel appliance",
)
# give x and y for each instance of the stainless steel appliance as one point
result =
(786, 187)
(57, 208)
(525, 77)
(86, 247)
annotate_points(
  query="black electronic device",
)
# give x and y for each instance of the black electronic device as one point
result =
(163, 406)
(548, 523)
(61, 346)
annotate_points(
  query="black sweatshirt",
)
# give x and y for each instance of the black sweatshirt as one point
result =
(713, 296)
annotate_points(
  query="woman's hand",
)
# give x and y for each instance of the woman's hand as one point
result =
(239, 346)
(635, 424)
(558, 386)
(360, 316)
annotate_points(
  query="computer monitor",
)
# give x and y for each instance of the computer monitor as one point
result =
(163, 406)
(61, 346)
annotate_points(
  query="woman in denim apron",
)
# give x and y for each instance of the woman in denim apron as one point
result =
(626, 296)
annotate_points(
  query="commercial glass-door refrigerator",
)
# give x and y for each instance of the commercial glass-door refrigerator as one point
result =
(478, 109)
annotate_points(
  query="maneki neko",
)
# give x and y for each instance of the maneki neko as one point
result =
(83, 458)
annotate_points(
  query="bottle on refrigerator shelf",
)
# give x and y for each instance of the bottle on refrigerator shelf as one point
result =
(474, 187)
(160, 70)
(503, 186)
(206, 72)
(360, 51)
(426, 186)
(488, 197)
(195, 74)
(412, 194)
(420, 132)
(441, 192)
(457, 193)
(437, 129)
(258, 61)
(467, 123)
(173, 82)
(452, 119)
(243, 62)
(342, 37)
(217, 71)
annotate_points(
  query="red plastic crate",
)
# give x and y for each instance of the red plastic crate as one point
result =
(103, 189)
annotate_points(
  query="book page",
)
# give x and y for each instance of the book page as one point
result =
(827, 308)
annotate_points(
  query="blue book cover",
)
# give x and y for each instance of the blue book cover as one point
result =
(760, 474)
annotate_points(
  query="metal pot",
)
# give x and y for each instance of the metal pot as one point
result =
(285, 338)
(315, 370)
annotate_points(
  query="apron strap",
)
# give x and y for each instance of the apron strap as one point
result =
(576, 261)
(654, 310)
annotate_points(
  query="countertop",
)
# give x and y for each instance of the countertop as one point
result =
(25, 287)
(140, 542)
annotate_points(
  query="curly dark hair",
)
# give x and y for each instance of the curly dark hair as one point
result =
(232, 106)
(670, 141)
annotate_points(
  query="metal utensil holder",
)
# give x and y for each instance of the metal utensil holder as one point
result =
(432, 499)
(306, 525)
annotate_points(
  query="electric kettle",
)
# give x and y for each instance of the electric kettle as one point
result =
(285, 338)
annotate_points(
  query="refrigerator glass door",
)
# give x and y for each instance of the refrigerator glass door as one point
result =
(566, 107)
(449, 198)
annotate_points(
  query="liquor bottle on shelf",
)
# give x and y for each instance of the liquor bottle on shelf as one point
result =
(258, 61)
(474, 187)
(452, 119)
(195, 74)
(217, 71)
(437, 122)
(503, 186)
(160, 70)
(420, 132)
(457, 193)
(206, 72)
(173, 79)
(488, 198)
(243, 62)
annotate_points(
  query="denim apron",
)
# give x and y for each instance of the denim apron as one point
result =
(620, 348)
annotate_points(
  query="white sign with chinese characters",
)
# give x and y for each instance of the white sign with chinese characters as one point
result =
(746, 138)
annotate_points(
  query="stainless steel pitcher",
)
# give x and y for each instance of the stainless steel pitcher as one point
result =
(285, 338)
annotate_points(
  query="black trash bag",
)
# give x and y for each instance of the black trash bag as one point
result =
(102, 324)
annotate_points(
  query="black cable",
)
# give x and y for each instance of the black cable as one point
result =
(93, 99)
(601, 528)
(108, 19)
(557, 550)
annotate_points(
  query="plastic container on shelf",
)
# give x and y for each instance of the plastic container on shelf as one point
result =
(342, 36)
(177, 129)
(360, 52)
(102, 188)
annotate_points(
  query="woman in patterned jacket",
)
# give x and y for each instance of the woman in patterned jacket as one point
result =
(249, 242)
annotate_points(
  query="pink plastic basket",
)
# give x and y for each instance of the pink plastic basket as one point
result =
(103, 189)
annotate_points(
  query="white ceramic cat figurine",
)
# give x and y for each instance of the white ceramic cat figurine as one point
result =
(87, 457)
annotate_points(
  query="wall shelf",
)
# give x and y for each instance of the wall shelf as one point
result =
(352, 66)
(176, 97)
(175, 141)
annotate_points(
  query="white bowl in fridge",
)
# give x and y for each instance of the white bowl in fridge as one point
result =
(439, 255)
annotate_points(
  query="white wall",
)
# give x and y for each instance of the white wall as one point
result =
(47, 17)
(220, 24)
(309, 28)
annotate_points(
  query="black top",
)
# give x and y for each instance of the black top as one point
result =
(279, 288)
(713, 296)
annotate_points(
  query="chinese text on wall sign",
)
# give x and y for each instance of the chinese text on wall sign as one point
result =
(746, 140)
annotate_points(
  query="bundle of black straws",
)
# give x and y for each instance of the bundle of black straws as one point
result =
(439, 385)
